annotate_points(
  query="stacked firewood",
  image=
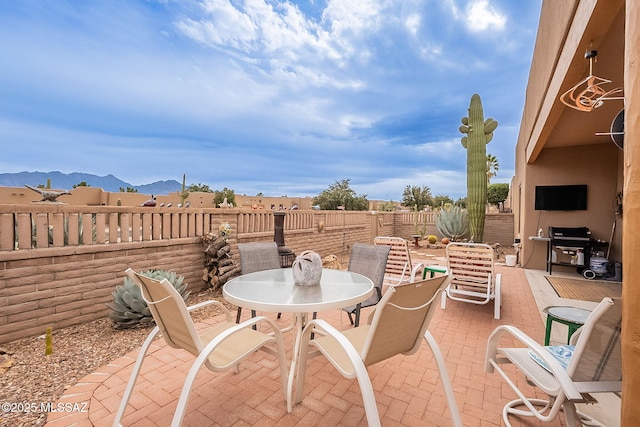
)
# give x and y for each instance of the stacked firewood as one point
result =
(219, 266)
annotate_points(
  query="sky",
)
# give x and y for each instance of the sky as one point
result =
(262, 96)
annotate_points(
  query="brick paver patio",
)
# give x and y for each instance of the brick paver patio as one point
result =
(407, 388)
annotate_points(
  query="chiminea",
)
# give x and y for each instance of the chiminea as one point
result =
(286, 255)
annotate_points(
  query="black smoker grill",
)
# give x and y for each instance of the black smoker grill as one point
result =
(569, 240)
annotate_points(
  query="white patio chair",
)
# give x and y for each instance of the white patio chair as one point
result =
(222, 347)
(399, 268)
(473, 277)
(397, 326)
(568, 374)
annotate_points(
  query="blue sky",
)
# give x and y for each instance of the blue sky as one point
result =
(270, 96)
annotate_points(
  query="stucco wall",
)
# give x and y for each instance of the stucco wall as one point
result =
(594, 165)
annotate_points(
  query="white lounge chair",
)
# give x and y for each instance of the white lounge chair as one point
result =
(473, 276)
(399, 268)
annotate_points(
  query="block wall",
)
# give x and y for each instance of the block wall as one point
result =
(65, 286)
(60, 287)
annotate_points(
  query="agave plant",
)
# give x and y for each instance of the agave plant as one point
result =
(452, 222)
(129, 308)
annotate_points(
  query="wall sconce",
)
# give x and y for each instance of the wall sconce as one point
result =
(320, 226)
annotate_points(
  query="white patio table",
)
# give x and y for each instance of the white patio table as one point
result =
(274, 291)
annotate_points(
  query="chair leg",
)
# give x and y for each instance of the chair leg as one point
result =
(350, 317)
(498, 298)
(357, 322)
(186, 388)
(134, 375)
(368, 397)
(443, 300)
(444, 377)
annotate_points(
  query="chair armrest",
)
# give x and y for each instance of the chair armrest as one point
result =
(202, 304)
(415, 270)
(326, 329)
(566, 383)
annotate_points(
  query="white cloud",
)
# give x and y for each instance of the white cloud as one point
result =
(412, 23)
(481, 16)
(478, 15)
(370, 90)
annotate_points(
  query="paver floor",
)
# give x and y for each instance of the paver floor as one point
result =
(407, 388)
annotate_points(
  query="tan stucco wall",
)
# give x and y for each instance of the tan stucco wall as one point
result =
(93, 196)
(631, 221)
(566, 30)
(594, 165)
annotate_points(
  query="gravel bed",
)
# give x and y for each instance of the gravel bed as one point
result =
(34, 378)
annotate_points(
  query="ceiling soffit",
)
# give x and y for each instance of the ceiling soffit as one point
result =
(596, 25)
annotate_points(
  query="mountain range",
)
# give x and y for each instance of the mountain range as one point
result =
(63, 181)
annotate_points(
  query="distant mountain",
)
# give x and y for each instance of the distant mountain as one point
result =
(62, 181)
(160, 187)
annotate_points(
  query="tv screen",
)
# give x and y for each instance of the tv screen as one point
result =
(561, 198)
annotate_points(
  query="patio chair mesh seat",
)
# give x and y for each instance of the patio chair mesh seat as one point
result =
(371, 262)
(222, 347)
(397, 326)
(257, 256)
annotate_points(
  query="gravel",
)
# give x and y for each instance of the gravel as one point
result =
(34, 378)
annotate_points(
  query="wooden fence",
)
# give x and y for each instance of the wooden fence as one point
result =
(60, 263)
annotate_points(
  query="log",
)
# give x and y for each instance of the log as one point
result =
(214, 247)
(223, 252)
(226, 261)
(223, 278)
(223, 270)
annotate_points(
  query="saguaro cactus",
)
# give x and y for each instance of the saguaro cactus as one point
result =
(479, 133)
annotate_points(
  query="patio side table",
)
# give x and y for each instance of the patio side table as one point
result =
(433, 269)
(573, 317)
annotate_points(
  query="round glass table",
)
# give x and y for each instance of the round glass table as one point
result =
(274, 291)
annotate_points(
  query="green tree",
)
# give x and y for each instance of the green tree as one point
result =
(340, 194)
(81, 184)
(441, 200)
(221, 194)
(203, 188)
(497, 193)
(417, 197)
(493, 166)
(462, 202)
(387, 206)
(128, 190)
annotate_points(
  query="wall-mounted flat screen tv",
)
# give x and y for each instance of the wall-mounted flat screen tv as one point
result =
(561, 198)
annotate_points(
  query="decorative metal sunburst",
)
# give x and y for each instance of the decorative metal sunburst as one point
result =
(588, 94)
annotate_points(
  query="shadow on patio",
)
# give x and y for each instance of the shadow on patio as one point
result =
(407, 388)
